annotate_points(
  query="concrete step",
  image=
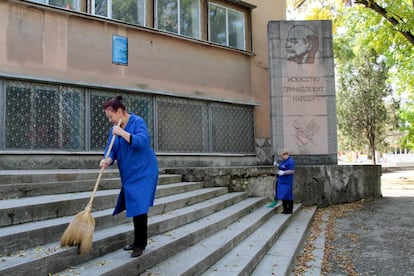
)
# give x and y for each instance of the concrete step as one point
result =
(192, 230)
(58, 175)
(26, 235)
(169, 203)
(165, 245)
(200, 256)
(192, 222)
(23, 210)
(178, 187)
(24, 190)
(44, 176)
(243, 256)
(13, 186)
(280, 259)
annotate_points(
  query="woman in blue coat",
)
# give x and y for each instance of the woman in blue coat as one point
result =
(138, 169)
(284, 184)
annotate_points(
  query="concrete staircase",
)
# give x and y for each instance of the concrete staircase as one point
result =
(192, 230)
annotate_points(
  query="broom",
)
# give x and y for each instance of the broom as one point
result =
(80, 230)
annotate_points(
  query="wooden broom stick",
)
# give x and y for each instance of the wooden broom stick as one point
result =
(80, 230)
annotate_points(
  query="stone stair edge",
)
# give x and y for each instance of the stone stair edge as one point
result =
(90, 176)
(115, 235)
(204, 253)
(163, 246)
(56, 226)
(27, 190)
(14, 211)
(58, 198)
(279, 256)
(42, 176)
(254, 247)
(67, 171)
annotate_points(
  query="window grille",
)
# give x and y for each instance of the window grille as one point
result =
(182, 125)
(100, 125)
(40, 116)
(232, 128)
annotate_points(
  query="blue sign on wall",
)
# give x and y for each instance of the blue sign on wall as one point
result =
(119, 50)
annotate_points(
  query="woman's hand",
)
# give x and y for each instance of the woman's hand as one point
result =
(105, 162)
(122, 133)
(279, 172)
(117, 130)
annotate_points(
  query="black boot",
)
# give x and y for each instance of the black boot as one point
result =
(289, 207)
(140, 235)
(285, 206)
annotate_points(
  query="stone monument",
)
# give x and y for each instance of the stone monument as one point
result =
(302, 90)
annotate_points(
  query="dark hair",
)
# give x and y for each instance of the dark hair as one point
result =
(114, 103)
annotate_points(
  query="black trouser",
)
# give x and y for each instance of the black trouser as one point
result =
(140, 230)
(287, 205)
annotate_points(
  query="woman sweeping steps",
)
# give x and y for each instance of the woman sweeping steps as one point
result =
(284, 184)
(138, 169)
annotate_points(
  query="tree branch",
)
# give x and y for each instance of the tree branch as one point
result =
(371, 4)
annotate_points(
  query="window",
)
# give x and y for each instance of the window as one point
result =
(226, 26)
(67, 4)
(224, 22)
(179, 16)
(131, 11)
(60, 126)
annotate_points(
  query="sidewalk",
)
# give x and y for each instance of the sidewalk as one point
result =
(365, 237)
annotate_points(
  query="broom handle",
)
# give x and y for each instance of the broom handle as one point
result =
(89, 205)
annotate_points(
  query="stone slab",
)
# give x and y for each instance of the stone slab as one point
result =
(303, 100)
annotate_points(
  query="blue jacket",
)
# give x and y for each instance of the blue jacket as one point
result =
(138, 168)
(284, 189)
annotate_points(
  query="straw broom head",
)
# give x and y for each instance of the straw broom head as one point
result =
(80, 231)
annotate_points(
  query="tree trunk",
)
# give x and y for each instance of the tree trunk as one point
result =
(374, 157)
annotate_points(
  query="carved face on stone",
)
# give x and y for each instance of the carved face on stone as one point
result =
(301, 44)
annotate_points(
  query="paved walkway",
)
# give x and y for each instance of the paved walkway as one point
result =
(367, 237)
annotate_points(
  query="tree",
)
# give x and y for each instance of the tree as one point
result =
(362, 114)
(365, 28)
(407, 116)
(400, 13)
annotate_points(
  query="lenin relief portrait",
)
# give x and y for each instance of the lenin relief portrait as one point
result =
(301, 44)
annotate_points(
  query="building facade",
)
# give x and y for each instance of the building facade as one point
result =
(196, 70)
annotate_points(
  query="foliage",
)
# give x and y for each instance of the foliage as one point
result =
(407, 116)
(399, 13)
(362, 114)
